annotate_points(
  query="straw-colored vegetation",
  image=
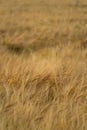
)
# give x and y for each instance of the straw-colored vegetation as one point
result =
(43, 65)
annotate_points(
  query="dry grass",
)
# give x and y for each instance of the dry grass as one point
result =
(43, 65)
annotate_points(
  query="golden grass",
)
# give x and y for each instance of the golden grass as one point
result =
(43, 66)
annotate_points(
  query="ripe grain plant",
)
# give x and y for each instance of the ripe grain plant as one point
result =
(43, 65)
